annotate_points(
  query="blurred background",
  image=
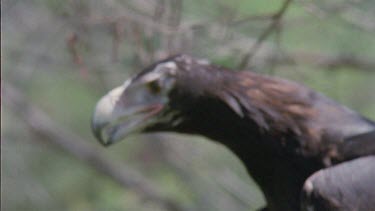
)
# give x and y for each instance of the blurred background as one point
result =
(59, 57)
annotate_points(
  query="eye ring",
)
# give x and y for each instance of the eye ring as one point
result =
(154, 87)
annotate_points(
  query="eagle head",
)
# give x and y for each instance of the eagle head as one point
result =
(146, 102)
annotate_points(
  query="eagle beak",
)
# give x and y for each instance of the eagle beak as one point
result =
(118, 114)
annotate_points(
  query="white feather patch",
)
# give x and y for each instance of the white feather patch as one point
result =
(160, 69)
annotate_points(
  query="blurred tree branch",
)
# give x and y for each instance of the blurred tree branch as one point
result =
(274, 25)
(260, 17)
(345, 11)
(42, 125)
(316, 59)
(176, 36)
(326, 61)
(72, 45)
(269, 58)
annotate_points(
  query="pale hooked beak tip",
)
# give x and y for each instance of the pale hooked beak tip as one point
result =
(97, 131)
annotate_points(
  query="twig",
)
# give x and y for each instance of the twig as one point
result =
(360, 20)
(41, 124)
(328, 61)
(140, 47)
(72, 44)
(173, 21)
(278, 48)
(117, 33)
(345, 12)
(261, 17)
(159, 12)
(276, 19)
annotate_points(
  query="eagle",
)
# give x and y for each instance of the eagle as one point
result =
(304, 150)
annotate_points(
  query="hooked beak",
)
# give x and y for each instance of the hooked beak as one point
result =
(117, 115)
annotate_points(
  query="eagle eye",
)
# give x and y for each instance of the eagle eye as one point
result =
(154, 87)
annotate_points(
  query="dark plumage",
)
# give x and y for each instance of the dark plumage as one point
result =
(282, 131)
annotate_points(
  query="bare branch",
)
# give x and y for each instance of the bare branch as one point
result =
(117, 34)
(41, 124)
(261, 17)
(325, 61)
(360, 20)
(328, 61)
(72, 44)
(345, 12)
(271, 27)
(174, 21)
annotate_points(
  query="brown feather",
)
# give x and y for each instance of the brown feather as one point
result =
(281, 130)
